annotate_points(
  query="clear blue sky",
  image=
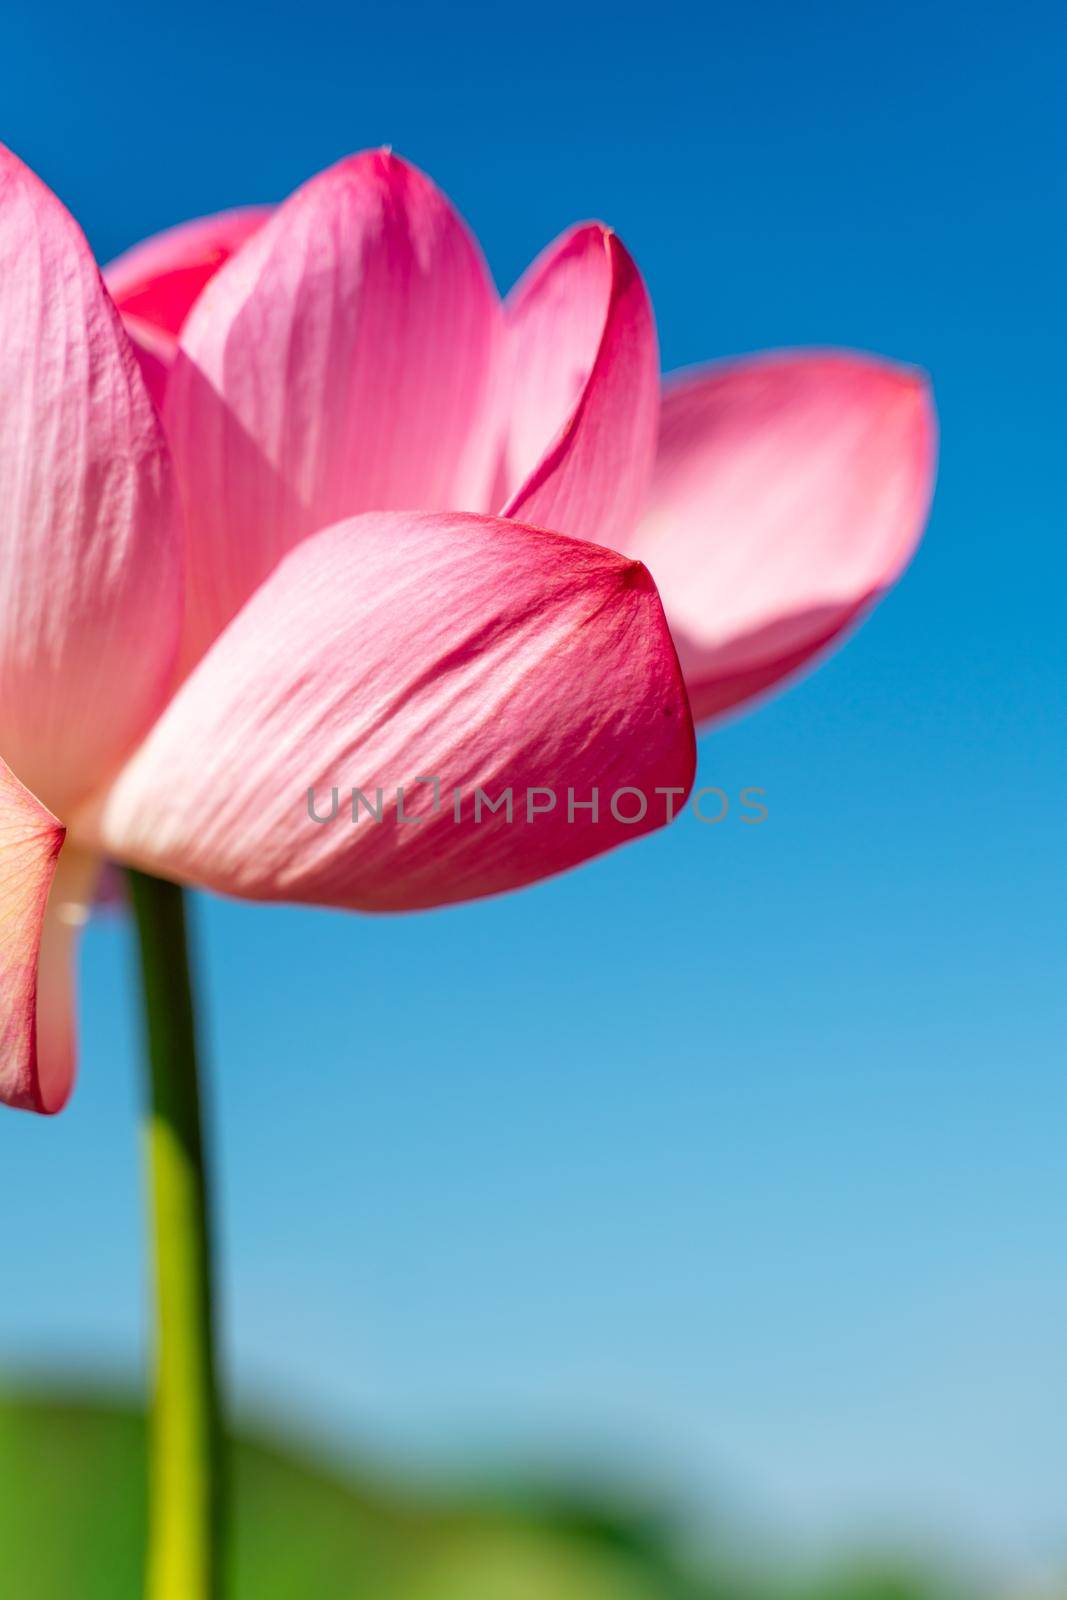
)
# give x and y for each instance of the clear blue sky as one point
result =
(741, 1152)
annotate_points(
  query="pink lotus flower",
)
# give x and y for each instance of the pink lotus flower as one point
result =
(280, 526)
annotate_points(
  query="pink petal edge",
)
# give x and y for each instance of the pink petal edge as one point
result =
(159, 280)
(584, 393)
(155, 352)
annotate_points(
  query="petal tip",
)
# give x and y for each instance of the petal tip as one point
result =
(382, 166)
(908, 382)
(634, 574)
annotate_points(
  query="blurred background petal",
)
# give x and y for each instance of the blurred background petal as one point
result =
(789, 493)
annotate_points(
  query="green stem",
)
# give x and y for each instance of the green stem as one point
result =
(185, 1498)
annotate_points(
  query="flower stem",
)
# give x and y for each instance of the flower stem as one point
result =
(185, 1499)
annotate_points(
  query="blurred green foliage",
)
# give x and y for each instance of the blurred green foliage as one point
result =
(72, 1528)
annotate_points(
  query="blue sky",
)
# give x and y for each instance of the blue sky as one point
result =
(738, 1153)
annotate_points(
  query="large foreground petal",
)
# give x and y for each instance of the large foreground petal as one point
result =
(388, 652)
(790, 492)
(584, 389)
(30, 842)
(159, 280)
(343, 361)
(90, 561)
